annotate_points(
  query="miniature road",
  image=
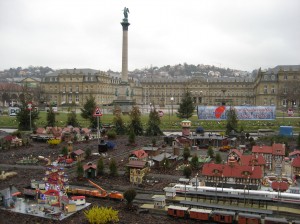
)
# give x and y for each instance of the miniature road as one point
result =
(32, 167)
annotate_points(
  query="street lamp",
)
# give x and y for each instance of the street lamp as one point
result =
(172, 99)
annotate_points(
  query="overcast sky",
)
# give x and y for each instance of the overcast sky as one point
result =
(238, 34)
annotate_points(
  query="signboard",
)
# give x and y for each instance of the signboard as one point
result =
(29, 106)
(243, 112)
(12, 111)
(97, 112)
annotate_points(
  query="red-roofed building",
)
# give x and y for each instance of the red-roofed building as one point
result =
(294, 154)
(90, 170)
(78, 155)
(280, 186)
(140, 155)
(232, 175)
(296, 166)
(274, 155)
(253, 160)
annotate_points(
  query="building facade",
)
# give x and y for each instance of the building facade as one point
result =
(270, 87)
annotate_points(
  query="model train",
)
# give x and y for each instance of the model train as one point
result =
(275, 196)
(220, 216)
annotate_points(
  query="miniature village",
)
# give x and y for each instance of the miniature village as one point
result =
(263, 170)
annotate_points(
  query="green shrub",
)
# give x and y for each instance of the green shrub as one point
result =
(111, 134)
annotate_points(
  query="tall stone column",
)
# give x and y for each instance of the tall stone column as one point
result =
(125, 26)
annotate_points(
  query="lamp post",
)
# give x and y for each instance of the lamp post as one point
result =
(172, 99)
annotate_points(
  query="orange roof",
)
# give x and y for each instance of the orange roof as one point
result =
(265, 149)
(296, 162)
(140, 154)
(89, 165)
(249, 160)
(237, 171)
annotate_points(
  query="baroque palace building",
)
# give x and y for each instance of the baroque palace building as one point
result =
(265, 88)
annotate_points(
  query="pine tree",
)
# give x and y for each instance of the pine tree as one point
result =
(153, 128)
(187, 171)
(23, 117)
(51, 118)
(80, 170)
(88, 110)
(135, 121)
(119, 123)
(113, 170)
(129, 196)
(232, 121)
(218, 158)
(100, 167)
(195, 162)
(186, 153)
(210, 152)
(72, 119)
(186, 107)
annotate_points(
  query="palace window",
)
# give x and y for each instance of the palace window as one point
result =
(265, 89)
(273, 89)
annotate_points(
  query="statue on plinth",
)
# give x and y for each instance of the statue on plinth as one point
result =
(125, 11)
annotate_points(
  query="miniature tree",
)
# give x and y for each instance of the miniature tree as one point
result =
(210, 152)
(165, 163)
(101, 215)
(218, 158)
(120, 128)
(129, 196)
(23, 115)
(88, 153)
(135, 121)
(80, 170)
(187, 171)
(298, 140)
(186, 107)
(153, 128)
(100, 167)
(88, 110)
(186, 153)
(72, 119)
(64, 151)
(51, 117)
(195, 162)
(113, 169)
(232, 121)
(131, 137)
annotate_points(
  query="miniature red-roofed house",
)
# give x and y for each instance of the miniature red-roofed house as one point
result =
(90, 170)
(140, 155)
(294, 154)
(296, 167)
(274, 155)
(280, 186)
(78, 155)
(232, 175)
(253, 160)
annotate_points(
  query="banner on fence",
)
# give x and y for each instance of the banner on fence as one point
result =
(243, 112)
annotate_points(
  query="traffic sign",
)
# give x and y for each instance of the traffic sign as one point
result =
(97, 112)
(29, 106)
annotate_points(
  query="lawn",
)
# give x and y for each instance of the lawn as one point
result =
(168, 122)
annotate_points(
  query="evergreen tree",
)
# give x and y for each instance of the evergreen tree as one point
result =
(100, 167)
(72, 119)
(186, 153)
(186, 107)
(232, 121)
(113, 169)
(119, 123)
(187, 171)
(23, 116)
(131, 137)
(153, 128)
(210, 152)
(298, 140)
(50, 118)
(195, 162)
(80, 170)
(166, 163)
(88, 110)
(64, 151)
(218, 158)
(135, 121)
(129, 196)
